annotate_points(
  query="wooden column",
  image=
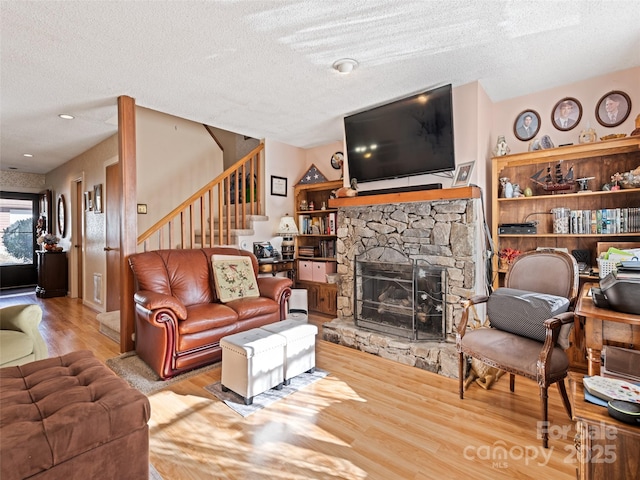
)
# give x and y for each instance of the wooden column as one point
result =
(128, 216)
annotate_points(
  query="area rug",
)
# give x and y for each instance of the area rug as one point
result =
(236, 402)
(140, 375)
(110, 324)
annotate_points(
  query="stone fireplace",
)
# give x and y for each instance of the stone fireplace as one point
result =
(435, 231)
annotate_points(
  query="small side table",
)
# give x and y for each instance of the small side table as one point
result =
(52, 274)
(278, 266)
(603, 324)
(606, 448)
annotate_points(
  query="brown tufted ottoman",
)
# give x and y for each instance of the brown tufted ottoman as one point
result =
(71, 417)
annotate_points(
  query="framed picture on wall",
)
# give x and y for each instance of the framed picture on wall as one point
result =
(97, 198)
(527, 125)
(613, 108)
(278, 186)
(88, 206)
(566, 114)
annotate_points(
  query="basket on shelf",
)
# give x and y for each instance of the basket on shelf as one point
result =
(605, 267)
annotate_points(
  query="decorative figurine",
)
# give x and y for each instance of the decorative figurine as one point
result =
(587, 135)
(501, 147)
(517, 191)
(507, 188)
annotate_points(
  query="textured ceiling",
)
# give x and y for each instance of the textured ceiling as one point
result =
(263, 68)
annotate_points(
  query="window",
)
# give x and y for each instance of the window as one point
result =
(17, 234)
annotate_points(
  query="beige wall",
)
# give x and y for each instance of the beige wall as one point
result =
(175, 158)
(88, 168)
(587, 92)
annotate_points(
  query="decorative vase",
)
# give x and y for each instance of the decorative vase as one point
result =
(50, 247)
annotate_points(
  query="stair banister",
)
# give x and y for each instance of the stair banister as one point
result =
(213, 197)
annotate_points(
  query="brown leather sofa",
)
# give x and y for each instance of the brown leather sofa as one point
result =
(179, 318)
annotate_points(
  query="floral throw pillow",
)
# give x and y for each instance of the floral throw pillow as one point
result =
(234, 277)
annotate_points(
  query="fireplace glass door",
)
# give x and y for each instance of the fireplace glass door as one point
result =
(398, 296)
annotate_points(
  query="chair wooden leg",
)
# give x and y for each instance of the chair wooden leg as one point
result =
(512, 382)
(545, 416)
(461, 375)
(565, 399)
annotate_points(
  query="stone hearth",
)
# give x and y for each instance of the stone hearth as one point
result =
(439, 227)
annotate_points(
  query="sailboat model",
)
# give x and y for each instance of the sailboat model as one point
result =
(554, 181)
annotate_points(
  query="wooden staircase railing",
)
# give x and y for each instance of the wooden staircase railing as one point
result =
(210, 215)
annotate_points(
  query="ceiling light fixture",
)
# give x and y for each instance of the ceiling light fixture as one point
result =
(27, 155)
(66, 116)
(345, 65)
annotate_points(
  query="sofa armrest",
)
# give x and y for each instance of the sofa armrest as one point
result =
(274, 287)
(25, 318)
(154, 301)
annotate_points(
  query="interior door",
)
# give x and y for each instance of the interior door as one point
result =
(112, 231)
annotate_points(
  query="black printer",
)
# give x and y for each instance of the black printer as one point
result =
(621, 289)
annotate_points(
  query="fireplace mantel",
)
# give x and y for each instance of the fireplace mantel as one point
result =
(407, 197)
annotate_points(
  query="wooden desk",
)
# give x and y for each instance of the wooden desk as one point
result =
(602, 324)
(606, 448)
(277, 266)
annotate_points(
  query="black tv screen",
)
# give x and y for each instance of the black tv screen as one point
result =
(412, 136)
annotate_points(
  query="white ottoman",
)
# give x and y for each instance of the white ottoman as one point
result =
(252, 362)
(300, 350)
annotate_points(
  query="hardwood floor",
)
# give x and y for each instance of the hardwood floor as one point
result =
(371, 418)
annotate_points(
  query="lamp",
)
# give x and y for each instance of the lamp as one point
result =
(287, 229)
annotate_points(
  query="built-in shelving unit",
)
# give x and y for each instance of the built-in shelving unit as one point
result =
(599, 160)
(316, 244)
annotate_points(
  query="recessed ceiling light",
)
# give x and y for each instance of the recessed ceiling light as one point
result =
(66, 116)
(27, 155)
(345, 65)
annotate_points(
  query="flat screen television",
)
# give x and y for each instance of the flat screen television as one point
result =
(411, 136)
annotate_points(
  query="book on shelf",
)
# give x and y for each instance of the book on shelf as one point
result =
(306, 251)
(332, 223)
(605, 221)
(611, 389)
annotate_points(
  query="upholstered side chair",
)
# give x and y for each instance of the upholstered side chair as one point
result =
(530, 319)
(20, 339)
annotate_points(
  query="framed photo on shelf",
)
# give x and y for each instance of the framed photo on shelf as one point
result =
(278, 186)
(527, 125)
(566, 114)
(613, 108)
(97, 198)
(463, 174)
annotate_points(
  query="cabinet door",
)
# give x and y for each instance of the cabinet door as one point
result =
(327, 299)
(312, 292)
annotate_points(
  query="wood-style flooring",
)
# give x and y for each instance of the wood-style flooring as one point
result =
(370, 419)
